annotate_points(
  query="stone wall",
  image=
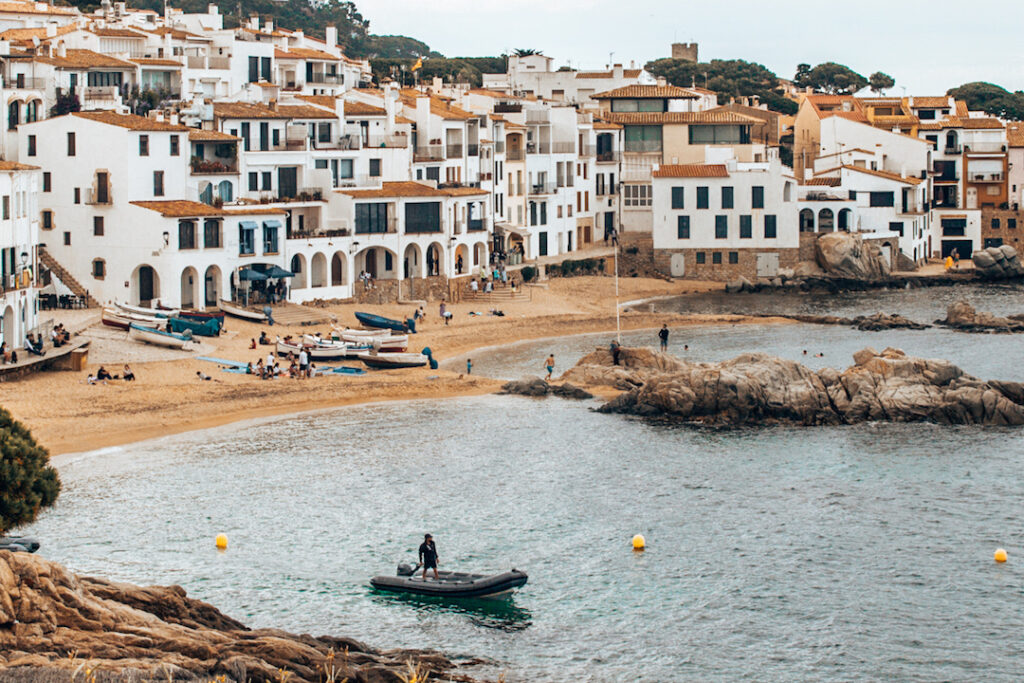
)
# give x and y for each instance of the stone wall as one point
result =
(745, 266)
(1002, 226)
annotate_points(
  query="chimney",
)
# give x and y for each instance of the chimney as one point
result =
(159, 116)
(339, 109)
(423, 119)
(254, 22)
(436, 84)
(617, 73)
(62, 50)
(389, 107)
(212, 9)
(273, 105)
(662, 82)
(122, 9)
(268, 25)
(331, 35)
(51, 30)
(174, 118)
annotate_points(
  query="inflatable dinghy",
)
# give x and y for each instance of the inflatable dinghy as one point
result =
(19, 544)
(450, 584)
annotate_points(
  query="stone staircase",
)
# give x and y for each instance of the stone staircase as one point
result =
(497, 296)
(51, 264)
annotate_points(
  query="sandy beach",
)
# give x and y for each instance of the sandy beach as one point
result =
(69, 415)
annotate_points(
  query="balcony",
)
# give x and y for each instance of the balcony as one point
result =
(20, 82)
(563, 147)
(515, 154)
(360, 181)
(473, 150)
(643, 146)
(606, 157)
(538, 116)
(507, 108)
(101, 92)
(986, 178)
(953, 149)
(387, 141)
(587, 150)
(302, 194)
(453, 151)
(543, 188)
(476, 224)
(102, 198)
(369, 229)
(327, 79)
(538, 148)
(429, 153)
(985, 147)
(205, 167)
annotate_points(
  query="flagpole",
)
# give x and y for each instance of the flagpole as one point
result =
(618, 327)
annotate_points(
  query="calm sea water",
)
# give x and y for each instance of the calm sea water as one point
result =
(853, 553)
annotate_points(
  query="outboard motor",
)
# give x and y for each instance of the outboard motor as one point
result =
(23, 544)
(405, 570)
(410, 325)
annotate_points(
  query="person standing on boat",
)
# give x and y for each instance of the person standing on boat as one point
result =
(428, 556)
(549, 365)
(303, 364)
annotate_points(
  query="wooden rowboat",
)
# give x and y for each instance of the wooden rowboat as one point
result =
(158, 338)
(148, 312)
(237, 311)
(385, 361)
(379, 322)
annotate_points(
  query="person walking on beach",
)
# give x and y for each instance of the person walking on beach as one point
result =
(428, 556)
(469, 366)
(616, 351)
(956, 259)
(663, 336)
(549, 365)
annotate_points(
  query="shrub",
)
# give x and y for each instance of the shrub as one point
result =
(27, 481)
(528, 273)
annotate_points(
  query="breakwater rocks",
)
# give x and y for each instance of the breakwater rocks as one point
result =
(756, 388)
(962, 316)
(54, 625)
(538, 387)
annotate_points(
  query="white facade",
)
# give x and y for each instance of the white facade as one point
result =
(19, 237)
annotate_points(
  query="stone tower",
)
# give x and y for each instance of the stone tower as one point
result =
(687, 51)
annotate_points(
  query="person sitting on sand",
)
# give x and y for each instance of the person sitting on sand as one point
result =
(201, 375)
(248, 368)
(264, 340)
(293, 370)
(128, 375)
(103, 373)
(252, 344)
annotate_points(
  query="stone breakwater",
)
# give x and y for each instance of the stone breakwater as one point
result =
(54, 625)
(756, 388)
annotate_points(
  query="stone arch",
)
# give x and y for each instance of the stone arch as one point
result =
(32, 109)
(212, 283)
(189, 287)
(951, 140)
(479, 254)
(144, 284)
(806, 220)
(318, 270)
(826, 220)
(787, 192)
(412, 261)
(206, 192)
(298, 266)
(8, 323)
(462, 264)
(338, 275)
(435, 259)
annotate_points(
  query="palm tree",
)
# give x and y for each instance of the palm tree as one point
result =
(527, 52)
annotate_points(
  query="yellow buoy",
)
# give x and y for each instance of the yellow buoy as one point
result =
(1000, 555)
(222, 542)
(638, 542)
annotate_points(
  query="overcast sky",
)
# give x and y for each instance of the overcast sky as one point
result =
(928, 46)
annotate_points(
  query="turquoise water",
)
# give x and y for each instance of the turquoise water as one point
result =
(782, 553)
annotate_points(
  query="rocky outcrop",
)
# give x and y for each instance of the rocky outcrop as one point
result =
(53, 623)
(962, 316)
(538, 387)
(997, 263)
(847, 255)
(757, 388)
(865, 323)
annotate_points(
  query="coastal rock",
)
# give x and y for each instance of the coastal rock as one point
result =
(962, 316)
(756, 388)
(739, 284)
(847, 255)
(996, 263)
(53, 622)
(538, 387)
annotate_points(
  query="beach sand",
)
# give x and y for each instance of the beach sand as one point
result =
(67, 415)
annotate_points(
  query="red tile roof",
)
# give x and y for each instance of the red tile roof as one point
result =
(692, 171)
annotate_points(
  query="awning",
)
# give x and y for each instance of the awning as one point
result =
(248, 225)
(277, 272)
(250, 274)
(272, 223)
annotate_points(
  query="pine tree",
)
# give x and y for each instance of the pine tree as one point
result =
(27, 481)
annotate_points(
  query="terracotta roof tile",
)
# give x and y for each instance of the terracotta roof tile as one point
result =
(694, 117)
(362, 109)
(606, 125)
(36, 8)
(305, 111)
(154, 61)
(116, 32)
(84, 59)
(1015, 134)
(824, 182)
(930, 103)
(25, 35)
(304, 53)
(627, 73)
(245, 110)
(203, 135)
(15, 166)
(961, 108)
(647, 92)
(179, 208)
(130, 121)
(411, 188)
(692, 171)
(326, 101)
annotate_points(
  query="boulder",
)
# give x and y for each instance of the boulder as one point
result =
(756, 388)
(739, 284)
(808, 269)
(962, 316)
(847, 255)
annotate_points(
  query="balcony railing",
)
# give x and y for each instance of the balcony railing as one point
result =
(429, 153)
(329, 79)
(360, 181)
(608, 157)
(986, 178)
(202, 166)
(18, 82)
(100, 198)
(985, 147)
(473, 150)
(476, 224)
(543, 188)
(563, 147)
(538, 116)
(390, 227)
(453, 151)
(507, 108)
(302, 194)
(389, 141)
(101, 92)
(952, 149)
(515, 154)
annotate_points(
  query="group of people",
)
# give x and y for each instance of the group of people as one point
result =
(264, 340)
(103, 375)
(59, 336)
(952, 261)
(367, 279)
(34, 344)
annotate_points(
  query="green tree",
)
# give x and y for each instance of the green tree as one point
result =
(729, 78)
(65, 104)
(398, 47)
(991, 98)
(27, 481)
(879, 81)
(835, 79)
(527, 52)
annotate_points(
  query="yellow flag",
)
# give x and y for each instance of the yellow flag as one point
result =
(418, 65)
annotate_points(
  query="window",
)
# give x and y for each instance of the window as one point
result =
(143, 145)
(254, 69)
(78, 195)
(896, 227)
(254, 181)
(635, 195)
(882, 199)
(211, 233)
(158, 183)
(720, 135)
(716, 258)
(97, 226)
(246, 238)
(67, 239)
(757, 197)
(175, 146)
(702, 197)
(99, 269)
(270, 230)
(47, 220)
(374, 168)
(265, 68)
(320, 163)
(31, 145)
(102, 188)
(701, 258)
(643, 139)
(186, 235)
(677, 197)
(770, 227)
(683, 227)
(13, 115)
(371, 218)
(1011, 223)
(727, 198)
(266, 183)
(423, 217)
(71, 144)
(746, 228)
(995, 223)
(721, 227)
(954, 227)
(853, 194)
(734, 257)
(6, 202)
(46, 181)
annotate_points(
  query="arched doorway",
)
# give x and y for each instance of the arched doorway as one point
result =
(806, 220)
(435, 261)
(8, 323)
(412, 262)
(951, 141)
(479, 254)
(462, 264)
(318, 271)
(298, 267)
(212, 285)
(145, 285)
(844, 219)
(189, 287)
(338, 269)
(826, 220)
(887, 253)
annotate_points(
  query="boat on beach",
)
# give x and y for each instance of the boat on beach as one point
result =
(379, 322)
(387, 361)
(122, 320)
(236, 311)
(202, 315)
(315, 352)
(451, 584)
(158, 338)
(205, 328)
(148, 312)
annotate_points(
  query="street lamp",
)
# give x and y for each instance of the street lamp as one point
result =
(167, 238)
